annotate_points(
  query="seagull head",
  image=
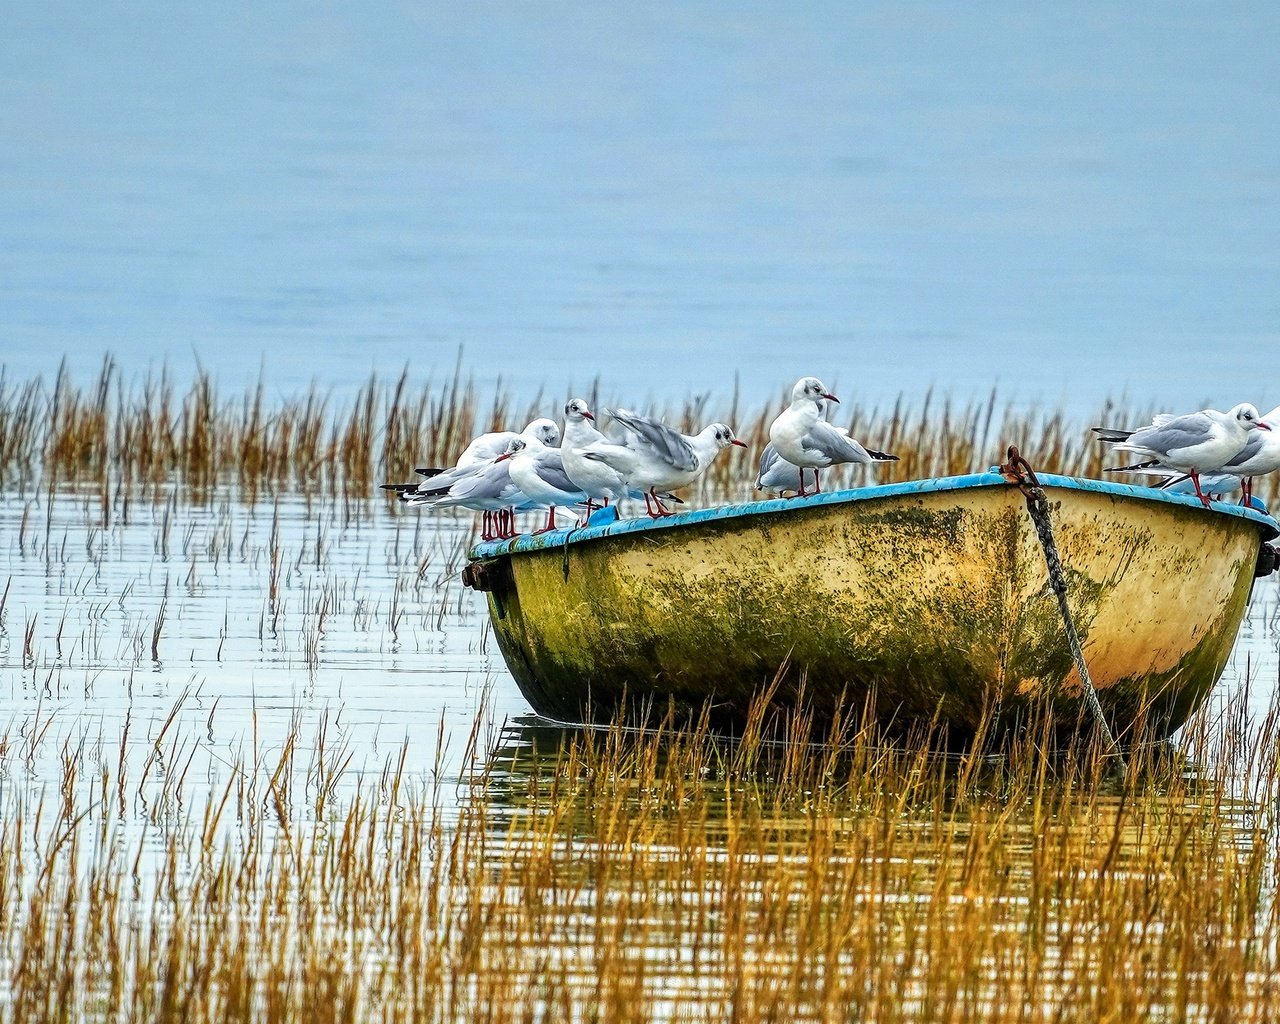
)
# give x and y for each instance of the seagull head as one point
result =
(577, 410)
(544, 431)
(724, 436)
(1247, 416)
(810, 389)
(514, 447)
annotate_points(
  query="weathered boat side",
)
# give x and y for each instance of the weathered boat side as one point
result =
(930, 594)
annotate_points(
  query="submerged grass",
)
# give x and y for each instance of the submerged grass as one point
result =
(614, 875)
(140, 436)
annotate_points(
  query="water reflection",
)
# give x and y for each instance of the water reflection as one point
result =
(292, 678)
(908, 891)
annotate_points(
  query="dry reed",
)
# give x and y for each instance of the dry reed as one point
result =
(152, 437)
(615, 876)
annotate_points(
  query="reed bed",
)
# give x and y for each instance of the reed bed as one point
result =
(151, 436)
(615, 875)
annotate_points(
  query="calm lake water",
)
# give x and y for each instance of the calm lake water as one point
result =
(175, 651)
(1071, 200)
(253, 620)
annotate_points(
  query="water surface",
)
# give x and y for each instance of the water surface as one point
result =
(1069, 200)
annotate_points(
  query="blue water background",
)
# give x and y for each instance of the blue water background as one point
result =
(1068, 200)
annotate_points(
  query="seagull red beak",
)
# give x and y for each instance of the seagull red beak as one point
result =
(1263, 426)
(589, 416)
(740, 444)
(503, 457)
(832, 398)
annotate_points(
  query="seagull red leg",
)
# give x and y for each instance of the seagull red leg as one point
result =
(1195, 480)
(551, 521)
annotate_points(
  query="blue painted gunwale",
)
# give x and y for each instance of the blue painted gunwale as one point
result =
(604, 524)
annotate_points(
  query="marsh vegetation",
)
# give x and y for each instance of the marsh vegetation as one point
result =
(258, 761)
(143, 436)
(618, 876)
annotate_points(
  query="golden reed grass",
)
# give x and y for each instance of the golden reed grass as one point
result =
(129, 436)
(623, 876)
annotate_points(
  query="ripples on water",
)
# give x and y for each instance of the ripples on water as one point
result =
(261, 617)
(194, 636)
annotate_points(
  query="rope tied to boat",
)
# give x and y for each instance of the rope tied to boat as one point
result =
(1018, 471)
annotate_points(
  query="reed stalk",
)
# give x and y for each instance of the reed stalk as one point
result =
(616, 875)
(152, 438)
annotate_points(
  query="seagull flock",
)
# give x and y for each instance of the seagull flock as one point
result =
(580, 468)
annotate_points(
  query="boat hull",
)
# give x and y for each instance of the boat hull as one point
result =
(933, 601)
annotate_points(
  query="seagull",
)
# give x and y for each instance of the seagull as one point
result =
(776, 473)
(539, 472)
(491, 445)
(1194, 443)
(1259, 456)
(660, 457)
(599, 481)
(489, 489)
(476, 456)
(802, 437)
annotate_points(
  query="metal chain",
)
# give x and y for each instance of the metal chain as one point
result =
(1018, 471)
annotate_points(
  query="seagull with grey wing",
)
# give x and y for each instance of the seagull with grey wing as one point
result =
(482, 451)
(1259, 456)
(776, 473)
(1194, 443)
(658, 457)
(802, 437)
(539, 473)
(489, 490)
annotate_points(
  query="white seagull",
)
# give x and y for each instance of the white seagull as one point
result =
(802, 437)
(660, 458)
(1259, 456)
(490, 446)
(489, 489)
(482, 451)
(599, 481)
(1194, 443)
(540, 474)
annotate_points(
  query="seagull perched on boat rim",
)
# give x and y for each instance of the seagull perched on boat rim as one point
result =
(475, 457)
(1259, 456)
(658, 457)
(488, 489)
(1195, 443)
(539, 473)
(802, 437)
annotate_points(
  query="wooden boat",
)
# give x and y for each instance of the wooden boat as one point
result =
(931, 594)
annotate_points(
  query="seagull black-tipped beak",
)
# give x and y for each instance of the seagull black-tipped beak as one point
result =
(740, 444)
(832, 398)
(587, 415)
(1263, 426)
(503, 457)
